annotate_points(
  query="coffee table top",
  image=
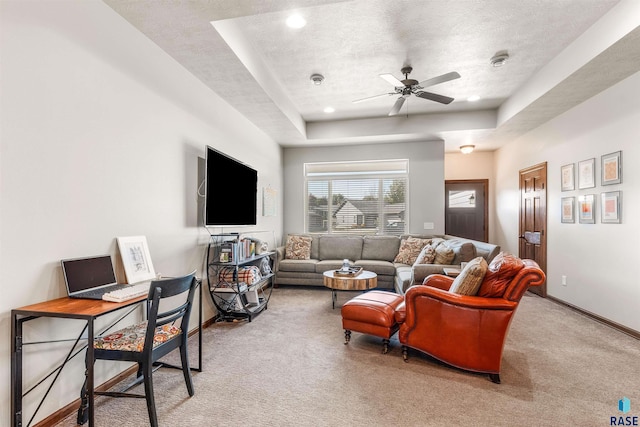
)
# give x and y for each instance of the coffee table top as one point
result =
(364, 280)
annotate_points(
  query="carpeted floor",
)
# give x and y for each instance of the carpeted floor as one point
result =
(289, 367)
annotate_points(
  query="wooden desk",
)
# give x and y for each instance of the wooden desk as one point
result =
(66, 308)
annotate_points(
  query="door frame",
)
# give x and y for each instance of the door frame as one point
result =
(485, 187)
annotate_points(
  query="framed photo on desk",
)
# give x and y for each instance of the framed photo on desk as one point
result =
(136, 259)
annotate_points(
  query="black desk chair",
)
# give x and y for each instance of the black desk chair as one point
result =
(146, 342)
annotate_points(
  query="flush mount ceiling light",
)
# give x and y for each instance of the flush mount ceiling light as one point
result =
(317, 79)
(499, 59)
(473, 98)
(466, 149)
(329, 110)
(296, 21)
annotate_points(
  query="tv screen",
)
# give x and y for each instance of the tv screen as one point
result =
(231, 191)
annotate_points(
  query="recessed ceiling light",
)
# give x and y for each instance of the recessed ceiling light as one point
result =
(296, 21)
(473, 98)
(329, 110)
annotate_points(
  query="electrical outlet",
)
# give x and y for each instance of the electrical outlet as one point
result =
(564, 280)
(428, 226)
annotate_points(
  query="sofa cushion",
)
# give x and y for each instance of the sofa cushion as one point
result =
(463, 249)
(469, 280)
(340, 247)
(328, 264)
(427, 255)
(379, 267)
(383, 248)
(444, 254)
(298, 265)
(500, 272)
(410, 248)
(297, 247)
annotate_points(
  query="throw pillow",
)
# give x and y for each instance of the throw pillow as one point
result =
(470, 278)
(444, 254)
(500, 272)
(298, 247)
(410, 248)
(427, 255)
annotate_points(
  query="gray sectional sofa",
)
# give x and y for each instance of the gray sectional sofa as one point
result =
(373, 253)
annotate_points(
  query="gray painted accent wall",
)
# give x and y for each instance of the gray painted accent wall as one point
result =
(426, 179)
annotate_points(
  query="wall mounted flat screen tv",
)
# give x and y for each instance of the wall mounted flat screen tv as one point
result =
(231, 191)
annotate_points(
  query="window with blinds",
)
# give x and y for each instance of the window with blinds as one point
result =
(359, 197)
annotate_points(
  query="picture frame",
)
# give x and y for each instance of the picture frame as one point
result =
(611, 168)
(136, 259)
(587, 173)
(568, 209)
(586, 209)
(567, 177)
(611, 207)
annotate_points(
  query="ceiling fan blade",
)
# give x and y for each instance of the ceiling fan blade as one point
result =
(434, 97)
(397, 106)
(440, 79)
(391, 79)
(373, 97)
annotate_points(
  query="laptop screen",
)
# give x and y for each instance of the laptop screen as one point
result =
(81, 274)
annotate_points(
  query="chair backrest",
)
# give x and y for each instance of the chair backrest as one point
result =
(165, 288)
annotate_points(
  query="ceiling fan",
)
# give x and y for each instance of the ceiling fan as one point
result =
(408, 86)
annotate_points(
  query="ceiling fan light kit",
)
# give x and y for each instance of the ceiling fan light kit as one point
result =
(407, 87)
(466, 149)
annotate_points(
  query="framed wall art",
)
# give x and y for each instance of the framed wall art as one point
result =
(587, 174)
(568, 207)
(136, 259)
(610, 207)
(567, 177)
(586, 209)
(611, 166)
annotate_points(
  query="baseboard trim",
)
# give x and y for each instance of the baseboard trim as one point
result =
(72, 407)
(632, 332)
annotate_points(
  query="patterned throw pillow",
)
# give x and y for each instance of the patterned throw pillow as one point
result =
(444, 254)
(427, 255)
(410, 248)
(298, 247)
(501, 271)
(470, 278)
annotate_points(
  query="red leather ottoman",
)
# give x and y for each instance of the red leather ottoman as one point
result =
(372, 313)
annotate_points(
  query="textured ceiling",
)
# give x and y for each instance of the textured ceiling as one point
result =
(245, 53)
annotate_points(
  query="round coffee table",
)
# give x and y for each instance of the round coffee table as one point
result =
(363, 281)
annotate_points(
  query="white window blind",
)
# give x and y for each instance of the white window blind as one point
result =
(359, 197)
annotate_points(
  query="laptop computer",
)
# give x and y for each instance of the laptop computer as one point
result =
(89, 277)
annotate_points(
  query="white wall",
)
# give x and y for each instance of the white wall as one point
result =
(476, 165)
(598, 259)
(101, 135)
(426, 179)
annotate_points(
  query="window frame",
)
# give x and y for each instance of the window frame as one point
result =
(362, 170)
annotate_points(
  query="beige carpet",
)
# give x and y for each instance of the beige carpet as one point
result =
(289, 367)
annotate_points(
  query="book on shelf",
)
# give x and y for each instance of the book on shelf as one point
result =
(231, 288)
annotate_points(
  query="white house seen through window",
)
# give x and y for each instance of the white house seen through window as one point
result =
(358, 197)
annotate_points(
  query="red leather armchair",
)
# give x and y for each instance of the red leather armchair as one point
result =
(467, 332)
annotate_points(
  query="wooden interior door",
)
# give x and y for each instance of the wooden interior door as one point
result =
(533, 219)
(466, 208)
